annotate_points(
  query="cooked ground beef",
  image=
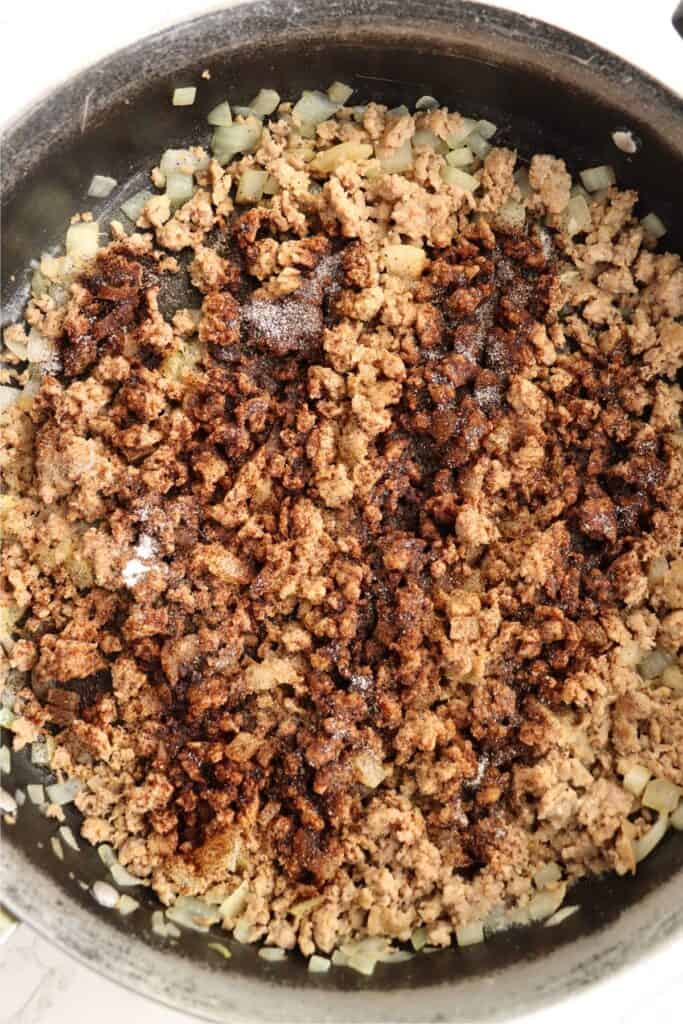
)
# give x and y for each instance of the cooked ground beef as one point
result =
(340, 586)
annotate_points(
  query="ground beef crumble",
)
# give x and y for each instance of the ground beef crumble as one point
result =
(339, 584)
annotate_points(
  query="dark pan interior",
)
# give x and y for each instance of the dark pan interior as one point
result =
(475, 62)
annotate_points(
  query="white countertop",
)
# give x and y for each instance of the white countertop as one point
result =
(44, 43)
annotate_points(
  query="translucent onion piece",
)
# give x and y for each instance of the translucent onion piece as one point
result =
(395, 956)
(250, 187)
(8, 396)
(83, 240)
(5, 760)
(235, 138)
(134, 206)
(271, 186)
(36, 793)
(179, 188)
(192, 913)
(20, 797)
(418, 940)
(101, 186)
(636, 779)
(560, 915)
(427, 103)
(479, 146)
(677, 818)
(313, 108)
(359, 113)
(219, 948)
(241, 931)
(521, 177)
(653, 225)
(470, 934)
(578, 215)
(178, 160)
(662, 795)
(486, 129)
(298, 910)
(64, 792)
(625, 142)
(272, 953)
(233, 905)
(463, 180)
(407, 261)
(597, 178)
(185, 96)
(319, 964)
(654, 663)
(106, 854)
(67, 836)
(220, 116)
(7, 716)
(457, 137)
(512, 215)
(8, 804)
(460, 157)
(399, 111)
(105, 894)
(673, 678)
(332, 158)
(17, 348)
(56, 848)
(265, 103)
(123, 877)
(545, 903)
(126, 904)
(426, 137)
(399, 160)
(547, 874)
(340, 93)
(645, 845)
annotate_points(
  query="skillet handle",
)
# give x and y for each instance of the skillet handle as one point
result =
(678, 19)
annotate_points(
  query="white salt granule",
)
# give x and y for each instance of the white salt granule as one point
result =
(138, 566)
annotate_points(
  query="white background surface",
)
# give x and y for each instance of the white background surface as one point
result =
(43, 43)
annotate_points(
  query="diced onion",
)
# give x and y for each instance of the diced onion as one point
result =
(521, 177)
(219, 948)
(250, 187)
(319, 964)
(123, 877)
(5, 760)
(241, 931)
(460, 157)
(332, 158)
(265, 103)
(339, 93)
(101, 186)
(677, 818)
(105, 894)
(56, 847)
(271, 186)
(653, 225)
(235, 138)
(512, 215)
(426, 137)
(418, 940)
(486, 129)
(547, 874)
(597, 178)
(359, 113)
(192, 913)
(407, 261)
(126, 904)
(299, 910)
(17, 348)
(662, 795)
(220, 116)
(36, 793)
(313, 108)
(625, 142)
(8, 804)
(182, 160)
(83, 240)
(185, 96)
(560, 915)
(457, 137)
(106, 854)
(395, 956)
(64, 792)
(42, 750)
(400, 111)
(463, 180)
(233, 905)
(427, 103)
(399, 160)
(134, 206)
(654, 663)
(7, 716)
(546, 903)
(179, 188)
(470, 934)
(636, 779)
(479, 146)
(272, 953)
(67, 836)
(578, 215)
(645, 845)
(20, 797)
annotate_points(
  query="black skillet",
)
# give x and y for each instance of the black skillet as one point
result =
(549, 92)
